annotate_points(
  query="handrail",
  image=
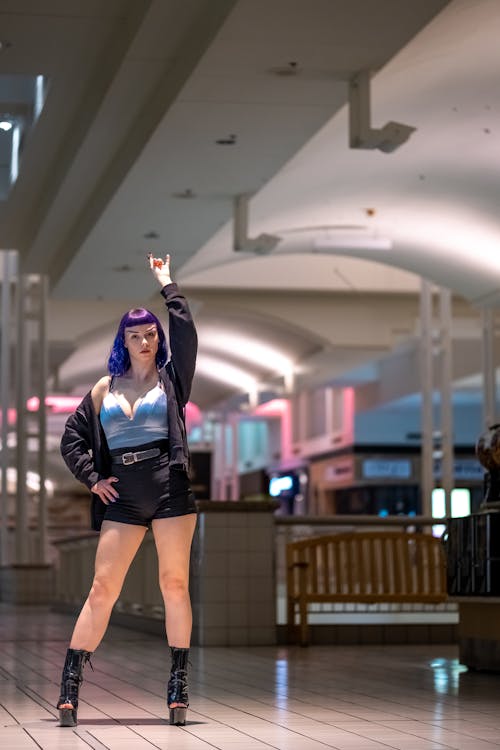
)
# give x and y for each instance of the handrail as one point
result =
(76, 538)
(361, 520)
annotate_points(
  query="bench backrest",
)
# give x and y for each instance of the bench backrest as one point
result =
(367, 567)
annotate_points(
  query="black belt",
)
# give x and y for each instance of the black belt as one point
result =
(152, 450)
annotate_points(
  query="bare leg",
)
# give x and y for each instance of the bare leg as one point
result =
(173, 537)
(118, 544)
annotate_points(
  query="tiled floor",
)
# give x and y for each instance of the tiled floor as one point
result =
(351, 698)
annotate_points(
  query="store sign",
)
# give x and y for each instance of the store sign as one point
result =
(339, 472)
(376, 468)
(463, 468)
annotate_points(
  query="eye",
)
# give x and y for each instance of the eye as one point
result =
(151, 334)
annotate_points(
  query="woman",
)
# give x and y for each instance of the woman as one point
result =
(127, 443)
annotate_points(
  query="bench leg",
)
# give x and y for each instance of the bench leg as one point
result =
(290, 619)
(304, 629)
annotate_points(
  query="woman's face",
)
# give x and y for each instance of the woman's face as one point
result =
(142, 342)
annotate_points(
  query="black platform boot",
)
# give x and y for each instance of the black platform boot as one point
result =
(177, 690)
(70, 685)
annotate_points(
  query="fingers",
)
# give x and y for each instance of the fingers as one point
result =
(109, 491)
(154, 262)
(158, 262)
(104, 488)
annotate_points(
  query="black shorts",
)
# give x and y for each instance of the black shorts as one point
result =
(149, 489)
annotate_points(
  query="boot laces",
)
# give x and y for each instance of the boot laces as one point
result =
(177, 686)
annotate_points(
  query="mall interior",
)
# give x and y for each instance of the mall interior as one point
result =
(324, 175)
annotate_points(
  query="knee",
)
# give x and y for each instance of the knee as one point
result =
(173, 587)
(103, 592)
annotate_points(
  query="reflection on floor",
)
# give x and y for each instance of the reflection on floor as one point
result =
(351, 698)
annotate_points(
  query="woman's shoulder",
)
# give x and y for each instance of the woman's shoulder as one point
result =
(99, 391)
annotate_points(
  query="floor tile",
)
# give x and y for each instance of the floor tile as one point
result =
(242, 698)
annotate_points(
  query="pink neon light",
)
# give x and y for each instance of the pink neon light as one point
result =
(349, 412)
(11, 416)
(57, 404)
(63, 404)
(194, 416)
(68, 404)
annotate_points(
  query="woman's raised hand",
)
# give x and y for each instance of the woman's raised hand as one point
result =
(160, 268)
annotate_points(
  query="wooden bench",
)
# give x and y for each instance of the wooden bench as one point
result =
(370, 567)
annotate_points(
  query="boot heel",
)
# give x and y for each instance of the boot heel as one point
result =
(178, 715)
(67, 717)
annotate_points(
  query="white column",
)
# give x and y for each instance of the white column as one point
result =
(329, 411)
(289, 381)
(42, 417)
(219, 462)
(447, 442)
(303, 416)
(427, 386)
(233, 469)
(5, 385)
(22, 376)
(489, 385)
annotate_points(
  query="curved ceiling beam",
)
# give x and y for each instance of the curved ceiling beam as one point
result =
(216, 368)
(246, 349)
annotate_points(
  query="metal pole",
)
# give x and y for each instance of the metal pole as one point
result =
(219, 461)
(42, 419)
(329, 411)
(489, 385)
(426, 384)
(235, 479)
(447, 444)
(222, 460)
(22, 373)
(5, 378)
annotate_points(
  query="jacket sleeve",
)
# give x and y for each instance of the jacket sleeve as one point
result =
(76, 448)
(183, 341)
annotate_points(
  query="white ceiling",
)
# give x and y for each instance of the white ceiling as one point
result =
(140, 92)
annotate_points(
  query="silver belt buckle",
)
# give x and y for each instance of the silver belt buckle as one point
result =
(128, 458)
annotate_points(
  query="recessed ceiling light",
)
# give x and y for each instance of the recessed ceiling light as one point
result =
(5, 125)
(229, 140)
(185, 194)
(290, 69)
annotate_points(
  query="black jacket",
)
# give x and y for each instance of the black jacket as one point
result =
(83, 444)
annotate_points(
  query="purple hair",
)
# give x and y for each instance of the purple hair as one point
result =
(119, 359)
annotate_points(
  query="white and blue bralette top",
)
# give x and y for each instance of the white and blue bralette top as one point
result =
(149, 422)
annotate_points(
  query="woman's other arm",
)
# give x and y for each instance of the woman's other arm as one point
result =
(76, 444)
